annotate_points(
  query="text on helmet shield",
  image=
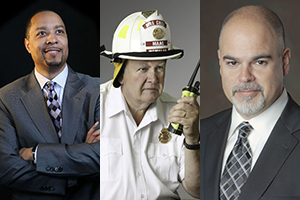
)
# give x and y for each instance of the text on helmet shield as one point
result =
(156, 43)
(153, 23)
(157, 50)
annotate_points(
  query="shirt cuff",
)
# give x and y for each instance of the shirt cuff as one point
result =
(35, 154)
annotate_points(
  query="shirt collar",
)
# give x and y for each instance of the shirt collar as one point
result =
(117, 103)
(264, 122)
(60, 79)
(160, 112)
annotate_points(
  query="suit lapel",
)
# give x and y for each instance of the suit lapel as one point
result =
(276, 151)
(74, 96)
(214, 151)
(34, 103)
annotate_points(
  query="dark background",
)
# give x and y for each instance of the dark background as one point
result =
(212, 14)
(82, 23)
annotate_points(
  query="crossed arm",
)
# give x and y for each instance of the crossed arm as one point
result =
(92, 136)
(74, 160)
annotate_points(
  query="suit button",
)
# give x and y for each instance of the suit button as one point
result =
(56, 169)
(52, 188)
(60, 169)
(48, 168)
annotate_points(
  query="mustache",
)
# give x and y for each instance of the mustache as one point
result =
(247, 86)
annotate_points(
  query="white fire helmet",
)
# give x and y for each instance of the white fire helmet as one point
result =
(141, 36)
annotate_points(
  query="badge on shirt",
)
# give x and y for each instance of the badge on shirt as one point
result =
(164, 136)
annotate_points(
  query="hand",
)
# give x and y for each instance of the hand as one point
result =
(93, 135)
(186, 112)
(26, 153)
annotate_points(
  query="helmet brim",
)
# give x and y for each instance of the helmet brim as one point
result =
(165, 55)
(172, 54)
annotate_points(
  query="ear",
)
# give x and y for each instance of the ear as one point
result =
(286, 61)
(120, 79)
(219, 57)
(27, 45)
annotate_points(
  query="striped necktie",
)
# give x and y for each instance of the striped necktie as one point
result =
(238, 165)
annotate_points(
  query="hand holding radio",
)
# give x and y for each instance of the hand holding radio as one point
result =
(185, 115)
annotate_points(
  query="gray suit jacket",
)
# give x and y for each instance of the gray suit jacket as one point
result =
(276, 174)
(66, 170)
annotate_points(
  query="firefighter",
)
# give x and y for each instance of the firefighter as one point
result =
(139, 157)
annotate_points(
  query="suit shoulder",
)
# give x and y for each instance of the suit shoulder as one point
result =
(93, 82)
(13, 86)
(212, 121)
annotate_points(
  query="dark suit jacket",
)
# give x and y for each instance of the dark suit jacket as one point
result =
(276, 174)
(66, 170)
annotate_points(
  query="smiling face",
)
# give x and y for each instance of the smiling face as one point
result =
(252, 65)
(47, 41)
(143, 82)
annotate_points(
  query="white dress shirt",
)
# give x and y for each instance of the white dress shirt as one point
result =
(133, 163)
(262, 124)
(60, 80)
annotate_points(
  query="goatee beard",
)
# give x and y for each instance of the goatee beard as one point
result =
(55, 63)
(247, 106)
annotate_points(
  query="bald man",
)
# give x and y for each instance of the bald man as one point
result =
(49, 133)
(251, 150)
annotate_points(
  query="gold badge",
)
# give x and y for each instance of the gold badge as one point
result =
(158, 33)
(164, 136)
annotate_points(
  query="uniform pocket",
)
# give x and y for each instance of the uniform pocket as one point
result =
(110, 159)
(163, 159)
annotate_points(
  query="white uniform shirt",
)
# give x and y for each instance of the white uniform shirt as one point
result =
(262, 124)
(133, 163)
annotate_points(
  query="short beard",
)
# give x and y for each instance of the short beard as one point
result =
(55, 64)
(247, 107)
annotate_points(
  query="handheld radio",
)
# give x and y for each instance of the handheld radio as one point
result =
(188, 91)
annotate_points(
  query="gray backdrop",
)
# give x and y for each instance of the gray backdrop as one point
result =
(213, 13)
(184, 20)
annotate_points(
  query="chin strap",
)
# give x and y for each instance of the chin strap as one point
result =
(109, 55)
(105, 53)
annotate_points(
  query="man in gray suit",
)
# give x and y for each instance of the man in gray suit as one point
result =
(49, 133)
(251, 151)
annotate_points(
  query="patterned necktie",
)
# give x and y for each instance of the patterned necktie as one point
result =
(53, 106)
(238, 165)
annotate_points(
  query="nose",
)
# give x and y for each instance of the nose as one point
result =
(152, 76)
(245, 74)
(51, 39)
